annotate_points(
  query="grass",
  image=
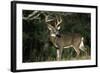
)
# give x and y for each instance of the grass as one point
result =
(50, 55)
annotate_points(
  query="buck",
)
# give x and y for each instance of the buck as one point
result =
(61, 41)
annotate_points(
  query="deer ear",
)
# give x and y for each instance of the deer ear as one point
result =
(49, 27)
(58, 28)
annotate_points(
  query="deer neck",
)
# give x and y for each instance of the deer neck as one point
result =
(53, 40)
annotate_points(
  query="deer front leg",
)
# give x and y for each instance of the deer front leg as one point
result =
(59, 53)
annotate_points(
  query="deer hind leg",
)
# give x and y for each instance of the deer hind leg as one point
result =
(77, 51)
(82, 48)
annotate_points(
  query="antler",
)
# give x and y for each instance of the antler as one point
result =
(59, 20)
(47, 19)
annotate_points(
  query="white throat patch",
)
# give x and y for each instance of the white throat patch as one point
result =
(53, 35)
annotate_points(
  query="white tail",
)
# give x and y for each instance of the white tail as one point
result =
(61, 41)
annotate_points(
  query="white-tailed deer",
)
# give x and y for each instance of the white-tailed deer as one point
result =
(61, 41)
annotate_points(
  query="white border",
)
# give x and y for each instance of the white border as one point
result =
(36, 65)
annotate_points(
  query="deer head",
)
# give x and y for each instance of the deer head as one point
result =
(54, 25)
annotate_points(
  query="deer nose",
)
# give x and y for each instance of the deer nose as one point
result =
(58, 34)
